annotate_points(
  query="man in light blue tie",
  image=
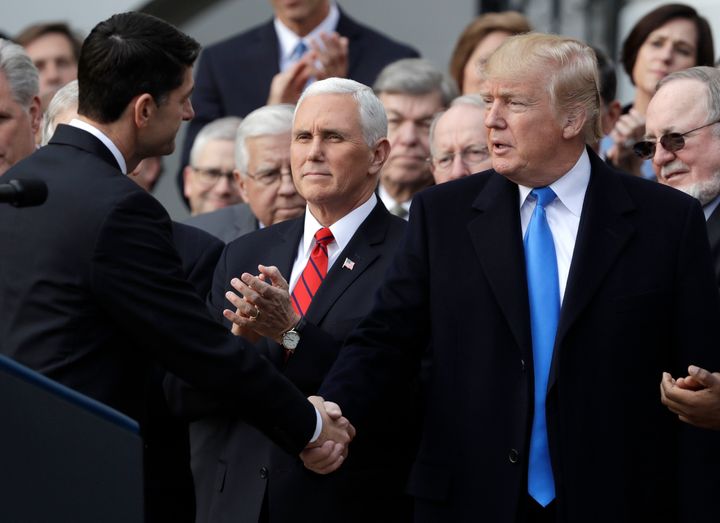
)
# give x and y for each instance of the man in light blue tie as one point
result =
(552, 292)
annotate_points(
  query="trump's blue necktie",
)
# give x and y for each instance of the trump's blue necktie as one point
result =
(544, 295)
(299, 51)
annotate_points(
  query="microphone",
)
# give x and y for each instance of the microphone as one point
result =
(23, 193)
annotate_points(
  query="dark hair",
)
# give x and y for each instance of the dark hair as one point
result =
(130, 54)
(657, 18)
(509, 21)
(606, 76)
(35, 31)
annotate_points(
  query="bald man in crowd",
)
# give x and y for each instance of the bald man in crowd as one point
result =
(458, 140)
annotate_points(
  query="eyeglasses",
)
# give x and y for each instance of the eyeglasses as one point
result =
(212, 176)
(270, 176)
(671, 142)
(470, 156)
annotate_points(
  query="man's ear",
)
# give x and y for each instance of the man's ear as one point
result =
(610, 115)
(573, 122)
(36, 113)
(144, 108)
(240, 181)
(187, 182)
(380, 153)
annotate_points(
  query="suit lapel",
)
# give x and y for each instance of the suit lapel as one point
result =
(363, 250)
(713, 228)
(282, 250)
(603, 232)
(497, 239)
(243, 220)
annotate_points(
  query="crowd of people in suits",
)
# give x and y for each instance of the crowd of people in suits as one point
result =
(402, 294)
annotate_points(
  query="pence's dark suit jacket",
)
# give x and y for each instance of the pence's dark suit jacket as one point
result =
(233, 77)
(640, 299)
(93, 295)
(235, 466)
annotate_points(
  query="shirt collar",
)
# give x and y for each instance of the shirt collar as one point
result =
(389, 201)
(289, 40)
(342, 230)
(570, 188)
(97, 133)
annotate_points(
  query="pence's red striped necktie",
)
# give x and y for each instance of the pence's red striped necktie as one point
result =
(314, 272)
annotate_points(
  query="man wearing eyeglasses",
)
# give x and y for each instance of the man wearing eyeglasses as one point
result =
(458, 140)
(683, 141)
(209, 183)
(262, 177)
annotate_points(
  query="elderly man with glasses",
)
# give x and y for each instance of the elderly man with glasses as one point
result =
(458, 140)
(209, 183)
(683, 141)
(261, 177)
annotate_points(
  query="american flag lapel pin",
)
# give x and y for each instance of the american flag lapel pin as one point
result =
(348, 264)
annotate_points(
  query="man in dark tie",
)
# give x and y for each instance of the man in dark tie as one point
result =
(552, 291)
(92, 288)
(334, 258)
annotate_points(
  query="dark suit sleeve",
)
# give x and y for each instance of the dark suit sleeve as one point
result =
(185, 400)
(199, 253)
(137, 276)
(388, 344)
(312, 359)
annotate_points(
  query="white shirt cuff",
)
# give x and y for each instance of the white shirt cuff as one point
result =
(318, 426)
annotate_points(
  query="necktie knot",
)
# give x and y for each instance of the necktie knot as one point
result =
(399, 211)
(324, 236)
(544, 195)
(299, 51)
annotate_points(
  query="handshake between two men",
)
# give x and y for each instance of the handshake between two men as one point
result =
(264, 308)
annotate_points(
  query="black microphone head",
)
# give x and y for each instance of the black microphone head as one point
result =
(29, 192)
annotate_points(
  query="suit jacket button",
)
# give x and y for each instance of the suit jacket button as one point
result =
(522, 365)
(263, 473)
(513, 456)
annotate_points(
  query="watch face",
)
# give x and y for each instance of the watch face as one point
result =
(291, 339)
